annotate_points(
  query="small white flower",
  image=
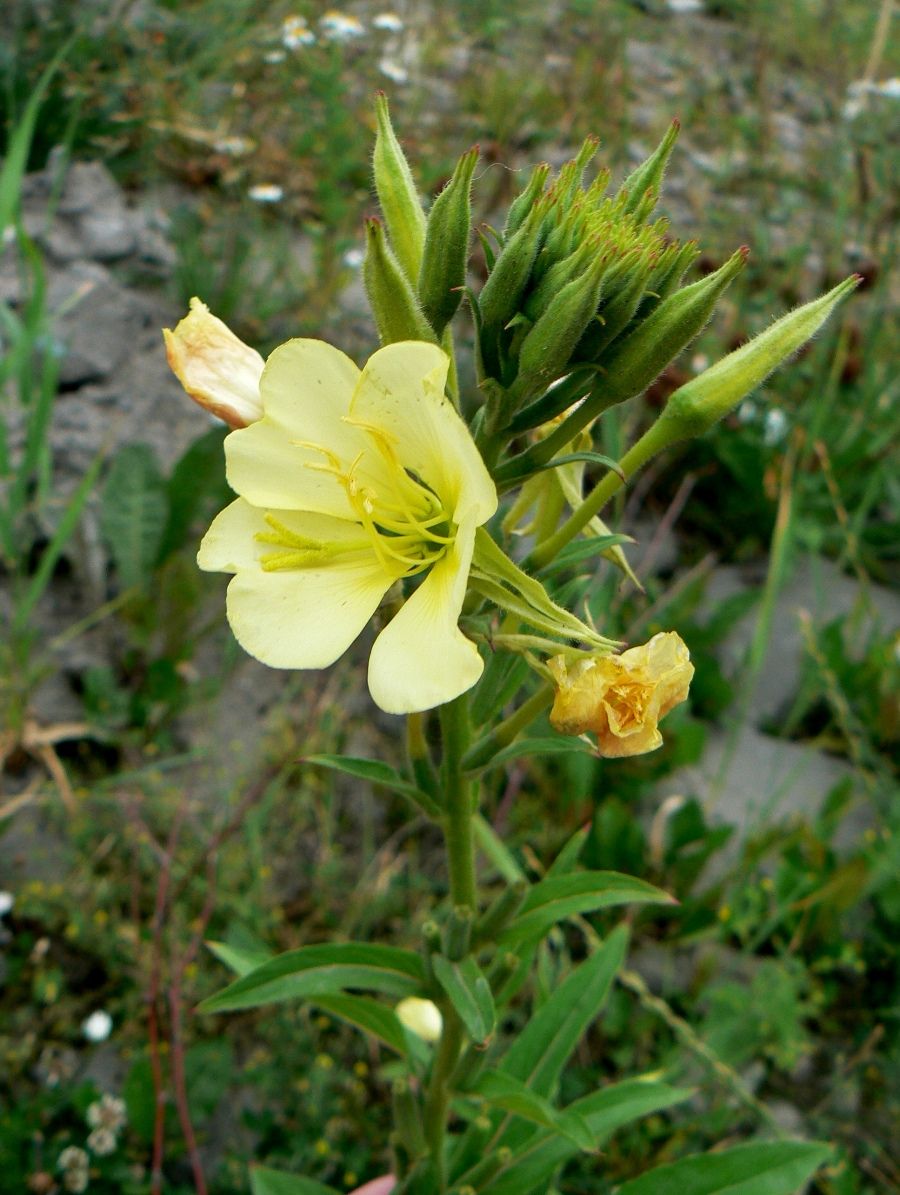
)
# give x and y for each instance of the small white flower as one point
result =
(699, 362)
(775, 426)
(296, 33)
(338, 26)
(394, 71)
(74, 1164)
(235, 147)
(102, 1142)
(266, 193)
(423, 1017)
(7, 900)
(388, 21)
(686, 5)
(354, 258)
(274, 56)
(98, 1026)
(107, 1113)
(747, 412)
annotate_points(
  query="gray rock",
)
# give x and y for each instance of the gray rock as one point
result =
(818, 587)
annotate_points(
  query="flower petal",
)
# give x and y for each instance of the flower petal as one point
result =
(422, 659)
(292, 618)
(230, 543)
(401, 391)
(215, 367)
(306, 388)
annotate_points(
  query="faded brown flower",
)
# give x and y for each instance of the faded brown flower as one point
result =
(622, 698)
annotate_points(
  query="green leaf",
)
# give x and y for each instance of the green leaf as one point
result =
(761, 1168)
(378, 773)
(469, 993)
(581, 550)
(134, 513)
(490, 842)
(558, 897)
(558, 745)
(503, 1091)
(538, 1055)
(604, 1111)
(240, 959)
(370, 1016)
(568, 857)
(264, 1181)
(315, 971)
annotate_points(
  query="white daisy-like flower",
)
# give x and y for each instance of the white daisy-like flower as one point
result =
(74, 1163)
(102, 1142)
(388, 22)
(266, 193)
(296, 33)
(7, 900)
(339, 26)
(98, 1026)
(394, 71)
(107, 1113)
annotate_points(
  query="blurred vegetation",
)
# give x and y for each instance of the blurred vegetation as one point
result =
(775, 978)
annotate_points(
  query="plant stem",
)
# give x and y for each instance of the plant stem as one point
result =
(458, 834)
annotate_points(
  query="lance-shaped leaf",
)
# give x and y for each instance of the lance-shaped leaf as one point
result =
(322, 970)
(761, 1168)
(265, 1181)
(604, 1112)
(397, 194)
(499, 1090)
(470, 994)
(540, 1052)
(443, 273)
(558, 897)
(379, 773)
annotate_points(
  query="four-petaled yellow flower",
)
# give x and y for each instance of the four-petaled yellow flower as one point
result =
(622, 698)
(215, 367)
(349, 483)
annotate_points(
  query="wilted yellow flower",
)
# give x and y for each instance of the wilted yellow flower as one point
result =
(622, 698)
(215, 367)
(353, 481)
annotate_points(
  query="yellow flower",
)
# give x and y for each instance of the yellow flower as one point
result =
(622, 698)
(215, 367)
(353, 481)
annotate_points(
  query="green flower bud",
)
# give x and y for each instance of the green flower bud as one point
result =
(500, 295)
(637, 359)
(547, 348)
(617, 310)
(703, 401)
(524, 202)
(558, 276)
(397, 194)
(649, 175)
(392, 299)
(443, 273)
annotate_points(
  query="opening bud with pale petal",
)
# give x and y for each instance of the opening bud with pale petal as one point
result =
(422, 1017)
(216, 368)
(621, 699)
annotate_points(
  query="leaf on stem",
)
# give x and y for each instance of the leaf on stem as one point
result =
(470, 994)
(558, 897)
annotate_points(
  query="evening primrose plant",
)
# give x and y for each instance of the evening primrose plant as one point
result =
(466, 526)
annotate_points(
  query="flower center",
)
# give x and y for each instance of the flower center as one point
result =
(403, 520)
(629, 701)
